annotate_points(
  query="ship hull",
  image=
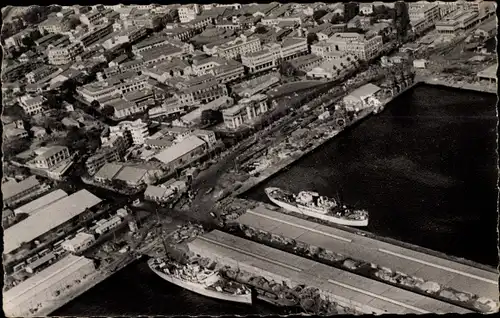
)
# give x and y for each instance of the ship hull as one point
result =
(318, 215)
(202, 289)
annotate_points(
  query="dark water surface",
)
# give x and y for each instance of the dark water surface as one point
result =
(424, 168)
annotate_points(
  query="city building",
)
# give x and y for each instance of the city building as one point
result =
(66, 54)
(108, 225)
(54, 25)
(366, 8)
(92, 17)
(114, 86)
(271, 54)
(48, 219)
(22, 299)
(48, 157)
(246, 111)
(79, 243)
(194, 117)
(354, 43)
(124, 108)
(188, 12)
(423, 15)
(361, 97)
(334, 66)
(164, 191)
(107, 172)
(306, 62)
(14, 191)
(150, 43)
(457, 22)
(112, 150)
(234, 48)
(137, 131)
(182, 153)
(96, 34)
(201, 93)
(40, 73)
(31, 105)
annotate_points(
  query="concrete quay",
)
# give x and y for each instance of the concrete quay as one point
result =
(428, 267)
(347, 289)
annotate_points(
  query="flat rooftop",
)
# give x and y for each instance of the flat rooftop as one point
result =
(442, 271)
(352, 288)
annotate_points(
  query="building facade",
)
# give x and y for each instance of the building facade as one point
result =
(246, 111)
(65, 54)
(50, 157)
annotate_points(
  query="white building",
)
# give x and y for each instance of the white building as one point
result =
(31, 105)
(48, 157)
(353, 43)
(236, 48)
(269, 56)
(61, 55)
(108, 225)
(188, 12)
(246, 111)
(457, 22)
(79, 243)
(361, 98)
(334, 66)
(136, 130)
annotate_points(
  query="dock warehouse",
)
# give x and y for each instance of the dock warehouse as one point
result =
(35, 205)
(44, 285)
(47, 219)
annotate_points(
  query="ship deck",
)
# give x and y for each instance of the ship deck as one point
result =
(443, 271)
(365, 294)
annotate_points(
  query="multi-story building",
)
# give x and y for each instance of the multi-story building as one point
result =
(92, 17)
(271, 54)
(54, 25)
(66, 54)
(457, 22)
(150, 43)
(48, 157)
(246, 111)
(40, 73)
(201, 93)
(423, 15)
(95, 35)
(115, 86)
(160, 54)
(31, 105)
(124, 108)
(354, 43)
(136, 130)
(234, 49)
(306, 63)
(17, 71)
(274, 21)
(110, 151)
(188, 12)
(182, 34)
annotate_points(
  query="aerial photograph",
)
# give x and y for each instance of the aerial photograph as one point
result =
(272, 158)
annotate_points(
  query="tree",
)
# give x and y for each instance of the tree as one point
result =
(319, 14)
(108, 111)
(260, 29)
(211, 116)
(311, 38)
(286, 69)
(73, 22)
(95, 104)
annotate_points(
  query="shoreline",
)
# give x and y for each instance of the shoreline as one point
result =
(429, 80)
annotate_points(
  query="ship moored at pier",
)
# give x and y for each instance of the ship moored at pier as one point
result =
(312, 204)
(200, 280)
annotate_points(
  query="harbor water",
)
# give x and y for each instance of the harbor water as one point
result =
(424, 168)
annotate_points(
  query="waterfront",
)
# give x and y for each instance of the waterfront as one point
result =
(136, 290)
(424, 168)
(406, 165)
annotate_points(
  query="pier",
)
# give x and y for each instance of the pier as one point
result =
(411, 262)
(347, 289)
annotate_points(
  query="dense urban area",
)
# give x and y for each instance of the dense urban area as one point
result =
(130, 130)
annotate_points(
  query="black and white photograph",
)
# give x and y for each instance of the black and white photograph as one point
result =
(270, 158)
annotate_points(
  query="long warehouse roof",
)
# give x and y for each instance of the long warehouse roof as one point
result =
(48, 218)
(40, 282)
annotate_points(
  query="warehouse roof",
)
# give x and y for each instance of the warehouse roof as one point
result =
(131, 174)
(365, 90)
(48, 218)
(12, 188)
(41, 202)
(187, 145)
(108, 171)
(36, 284)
